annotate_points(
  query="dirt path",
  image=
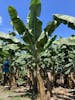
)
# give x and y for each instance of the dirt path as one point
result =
(14, 94)
(21, 94)
(64, 93)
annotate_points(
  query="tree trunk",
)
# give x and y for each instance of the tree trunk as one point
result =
(71, 80)
(66, 83)
(41, 85)
(35, 82)
(12, 81)
(50, 84)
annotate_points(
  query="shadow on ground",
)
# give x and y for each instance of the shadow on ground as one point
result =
(27, 93)
(67, 96)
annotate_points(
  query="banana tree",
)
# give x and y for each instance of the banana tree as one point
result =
(34, 40)
(65, 19)
(8, 50)
(32, 35)
(66, 52)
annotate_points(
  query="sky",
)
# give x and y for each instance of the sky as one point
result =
(49, 7)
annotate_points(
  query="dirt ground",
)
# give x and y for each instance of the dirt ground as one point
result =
(14, 94)
(22, 94)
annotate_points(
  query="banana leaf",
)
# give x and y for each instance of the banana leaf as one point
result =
(16, 21)
(35, 25)
(10, 46)
(19, 25)
(35, 7)
(50, 42)
(12, 12)
(9, 38)
(68, 41)
(50, 28)
(41, 42)
(65, 19)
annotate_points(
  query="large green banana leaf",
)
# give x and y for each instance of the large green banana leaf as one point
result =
(49, 43)
(28, 37)
(44, 42)
(69, 41)
(43, 38)
(13, 12)
(34, 24)
(35, 7)
(65, 19)
(17, 22)
(10, 46)
(50, 28)
(19, 25)
(9, 38)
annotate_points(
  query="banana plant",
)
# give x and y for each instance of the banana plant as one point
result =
(66, 49)
(34, 40)
(65, 19)
(67, 41)
(66, 57)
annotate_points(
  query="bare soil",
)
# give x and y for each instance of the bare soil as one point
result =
(22, 94)
(14, 94)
